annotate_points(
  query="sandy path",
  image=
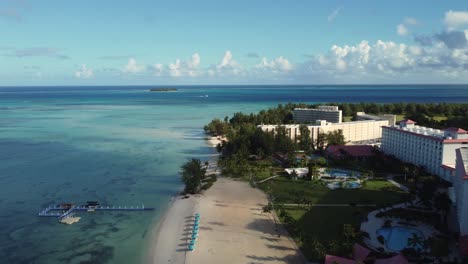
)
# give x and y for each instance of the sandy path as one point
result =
(233, 228)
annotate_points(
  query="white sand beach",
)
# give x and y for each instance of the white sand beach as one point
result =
(214, 141)
(233, 229)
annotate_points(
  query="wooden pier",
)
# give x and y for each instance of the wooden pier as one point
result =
(63, 211)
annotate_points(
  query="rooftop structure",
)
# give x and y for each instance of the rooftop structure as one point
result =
(324, 112)
(363, 116)
(354, 151)
(360, 254)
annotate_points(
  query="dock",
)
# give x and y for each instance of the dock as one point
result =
(66, 212)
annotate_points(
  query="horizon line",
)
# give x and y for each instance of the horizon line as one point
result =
(234, 85)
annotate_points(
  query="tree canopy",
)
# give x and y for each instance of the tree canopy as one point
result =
(193, 173)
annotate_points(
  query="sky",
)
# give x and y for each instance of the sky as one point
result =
(152, 42)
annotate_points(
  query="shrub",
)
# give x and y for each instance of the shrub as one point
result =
(439, 246)
(365, 234)
(381, 239)
(387, 223)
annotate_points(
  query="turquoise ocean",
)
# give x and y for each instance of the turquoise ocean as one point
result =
(124, 146)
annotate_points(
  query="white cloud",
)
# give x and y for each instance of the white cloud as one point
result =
(227, 66)
(411, 21)
(185, 68)
(334, 14)
(158, 69)
(133, 67)
(84, 72)
(175, 69)
(402, 30)
(387, 60)
(227, 59)
(455, 19)
(276, 65)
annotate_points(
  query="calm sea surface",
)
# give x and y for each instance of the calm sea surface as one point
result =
(123, 146)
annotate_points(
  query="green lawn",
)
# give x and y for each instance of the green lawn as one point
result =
(325, 223)
(380, 193)
(399, 117)
(439, 118)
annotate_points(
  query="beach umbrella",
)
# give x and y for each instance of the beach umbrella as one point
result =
(194, 236)
(192, 242)
(195, 231)
(190, 248)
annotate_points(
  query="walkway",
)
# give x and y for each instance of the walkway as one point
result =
(331, 205)
(267, 179)
(401, 186)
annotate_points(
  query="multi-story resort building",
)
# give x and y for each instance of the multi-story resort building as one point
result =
(363, 116)
(460, 184)
(433, 149)
(311, 115)
(440, 152)
(355, 131)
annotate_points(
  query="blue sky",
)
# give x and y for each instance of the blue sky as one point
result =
(232, 42)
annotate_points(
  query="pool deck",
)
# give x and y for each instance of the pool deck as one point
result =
(374, 223)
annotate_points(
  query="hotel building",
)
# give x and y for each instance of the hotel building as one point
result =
(352, 131)
(433, 149)
(311, 115)
(363, 116)
(460, 184)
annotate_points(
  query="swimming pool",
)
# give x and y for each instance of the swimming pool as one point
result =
(396, 238)
(351, 185)
(340, 173)
(344, 185)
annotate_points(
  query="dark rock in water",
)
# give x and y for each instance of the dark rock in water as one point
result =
(99, 254)
(163, 90)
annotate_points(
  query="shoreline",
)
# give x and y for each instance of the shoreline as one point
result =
(232, 226)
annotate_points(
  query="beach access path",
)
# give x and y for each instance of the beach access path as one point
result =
(233, 229)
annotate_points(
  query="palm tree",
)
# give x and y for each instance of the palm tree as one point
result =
(415, 240)
(406, 170)
(192, 173)
(442, 203)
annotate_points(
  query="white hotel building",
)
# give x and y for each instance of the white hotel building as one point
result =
(328, 113)
(355, 131)
(443, 153)
(433, 149)
(460, 184)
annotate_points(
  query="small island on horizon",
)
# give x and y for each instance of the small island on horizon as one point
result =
(163, 90)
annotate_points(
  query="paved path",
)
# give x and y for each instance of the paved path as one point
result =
(401, 186)
(267, 179)
(332, 205)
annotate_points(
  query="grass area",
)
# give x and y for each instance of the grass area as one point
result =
(400, 117)
(325, 224)
(380, 193)
(439, 118)
(347, 118)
